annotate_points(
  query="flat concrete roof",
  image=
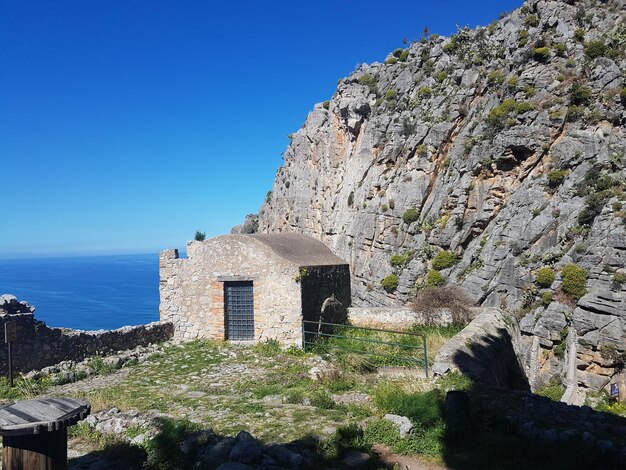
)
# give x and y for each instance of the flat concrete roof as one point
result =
(299, 249)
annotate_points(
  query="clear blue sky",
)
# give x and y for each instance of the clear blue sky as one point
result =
(127, 125)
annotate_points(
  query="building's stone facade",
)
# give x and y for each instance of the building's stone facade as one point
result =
(192, 288)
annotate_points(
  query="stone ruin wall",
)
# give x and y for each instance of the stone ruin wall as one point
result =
(496, 350)
(192, 289)
(39, 345)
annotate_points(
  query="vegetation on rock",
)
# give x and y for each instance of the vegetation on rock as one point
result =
(545, 277)
(574, 281)
(390, 283)
(444, 259)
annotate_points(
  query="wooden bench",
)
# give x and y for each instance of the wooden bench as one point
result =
(34, 432)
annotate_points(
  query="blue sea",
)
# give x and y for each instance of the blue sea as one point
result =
(86, 293)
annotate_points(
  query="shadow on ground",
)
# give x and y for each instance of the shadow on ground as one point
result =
(180, 445)
(497, 423)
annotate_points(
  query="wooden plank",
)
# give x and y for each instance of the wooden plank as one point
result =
(40, 415)
(43, 452)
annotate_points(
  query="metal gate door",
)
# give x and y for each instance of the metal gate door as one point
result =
(239, 302)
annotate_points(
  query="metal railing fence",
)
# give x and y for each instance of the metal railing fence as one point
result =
(394, 347)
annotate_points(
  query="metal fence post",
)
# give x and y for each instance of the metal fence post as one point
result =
(425, 356)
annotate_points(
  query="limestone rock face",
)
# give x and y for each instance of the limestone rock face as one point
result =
(503, 145)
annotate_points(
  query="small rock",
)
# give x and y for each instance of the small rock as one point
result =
(245, 451)
(356, 459)
(140, 439)
(402, 422)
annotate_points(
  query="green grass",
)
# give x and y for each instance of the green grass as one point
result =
(224, 386)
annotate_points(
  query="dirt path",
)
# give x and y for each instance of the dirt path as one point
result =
(404, 462)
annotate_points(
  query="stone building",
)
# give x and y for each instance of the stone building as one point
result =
(252, 287)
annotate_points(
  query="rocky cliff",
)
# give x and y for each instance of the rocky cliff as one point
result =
(493, 159)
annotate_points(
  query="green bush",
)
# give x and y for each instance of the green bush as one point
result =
(326, 104)
(420, 408)
(529, 91)
(163, 451)
(441, 76)
(369, 81)
(391, 95)
(553, 391)
(434, 278)
(424, 92)
(495, 77)
(622, 96)
(561, 49)
(498, 116)
(321, 399)
(574, 113)
(444, 259)
(541, 54)
(524, 107)
(532, 20)
(410, 216)
(593, 207)
(574, 280)
(199, 236)
(619, 278)
(512, 83)
(522, 38)
(556, 177)
(400, 260)
(545, 277)
(579, 95)
(595, 49)
(404, 56)
(390, 283)
(579, 34)
(546, 298)
(604, 182)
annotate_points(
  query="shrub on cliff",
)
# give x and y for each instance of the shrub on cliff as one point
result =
(199, 236)
(545, 277)
(400, 260)
(595, 49)
(410, 216)
(574, 280)
(541, 54)
(390, 283)
(431, 300)
(434, 278)
(369, 81)
(444, 259)
(579, 95)
(556, 177)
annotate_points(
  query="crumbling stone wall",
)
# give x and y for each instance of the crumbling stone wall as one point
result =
(39, 345)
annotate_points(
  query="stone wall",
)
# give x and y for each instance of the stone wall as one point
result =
(192, 289)
(488, 350)
(496, 349)
(39, 345)
(392, 317)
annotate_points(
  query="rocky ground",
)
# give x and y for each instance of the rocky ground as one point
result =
(215, 405)
(227, 394)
